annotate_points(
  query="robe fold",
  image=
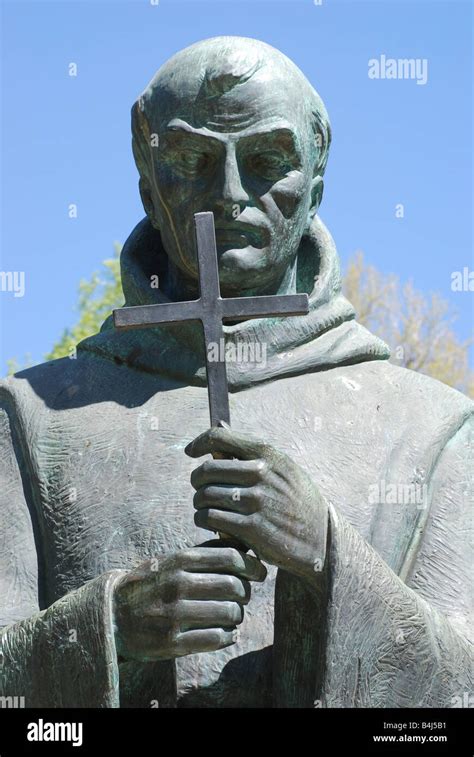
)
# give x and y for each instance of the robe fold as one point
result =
(94, 480)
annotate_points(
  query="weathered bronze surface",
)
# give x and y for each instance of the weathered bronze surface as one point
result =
(348, 476)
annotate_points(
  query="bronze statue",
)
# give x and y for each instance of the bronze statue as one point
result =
(111, 597)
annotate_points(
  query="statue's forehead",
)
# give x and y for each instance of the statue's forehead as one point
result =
(262, 129)
(245, 107)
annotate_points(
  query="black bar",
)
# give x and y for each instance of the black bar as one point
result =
(340, 731)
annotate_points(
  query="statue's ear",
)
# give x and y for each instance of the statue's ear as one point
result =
(317, 187)
(147, 200)
(141, 141)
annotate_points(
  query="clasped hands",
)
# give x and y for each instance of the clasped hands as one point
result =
(192, 601)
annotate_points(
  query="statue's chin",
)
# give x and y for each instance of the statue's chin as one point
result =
(244, 271)
(236, 259)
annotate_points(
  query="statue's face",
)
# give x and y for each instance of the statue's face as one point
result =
(248, 159)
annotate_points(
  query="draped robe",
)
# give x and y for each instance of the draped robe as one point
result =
(94, 480)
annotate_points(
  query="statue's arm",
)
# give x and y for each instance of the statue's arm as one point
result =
(386, 642)
(62, 656)
(394, 643)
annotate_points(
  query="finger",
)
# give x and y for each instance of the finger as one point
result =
(235, 499)
(222, 588)
(224, 541)
(227, 441)
(216, 543)
(223, 560)
(223, 521)
(193, 642)
(239, 472)
(193, 614)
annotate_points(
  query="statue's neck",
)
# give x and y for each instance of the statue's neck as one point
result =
(177, 287)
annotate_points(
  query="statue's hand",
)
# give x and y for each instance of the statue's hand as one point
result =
(262, 499)
(184, 603)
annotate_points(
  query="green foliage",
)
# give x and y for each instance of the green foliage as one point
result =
(97, 298)
(13, 366)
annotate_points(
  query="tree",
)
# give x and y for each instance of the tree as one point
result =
(97, 298)
(417, 327)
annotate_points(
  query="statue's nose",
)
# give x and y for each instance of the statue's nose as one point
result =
(233, 191)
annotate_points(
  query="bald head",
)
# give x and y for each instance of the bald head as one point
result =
(230, 125)
(208, 81)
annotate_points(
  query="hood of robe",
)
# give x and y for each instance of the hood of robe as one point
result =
(256, 350)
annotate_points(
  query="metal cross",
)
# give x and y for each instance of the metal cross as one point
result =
(212, 310)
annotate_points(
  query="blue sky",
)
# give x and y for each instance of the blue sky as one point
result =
(67, 139)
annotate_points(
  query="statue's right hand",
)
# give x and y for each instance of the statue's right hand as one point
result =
(183, 603)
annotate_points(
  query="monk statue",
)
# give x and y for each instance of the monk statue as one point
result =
(315, 552)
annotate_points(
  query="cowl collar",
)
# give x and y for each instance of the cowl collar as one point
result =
(256, 350)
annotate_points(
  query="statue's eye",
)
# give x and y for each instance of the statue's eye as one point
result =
(270, 165)
(191, 161)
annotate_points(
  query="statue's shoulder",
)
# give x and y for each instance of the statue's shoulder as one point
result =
(30, 389)
(78, 385)
(420, 399)
(394, 392)
(418, 386)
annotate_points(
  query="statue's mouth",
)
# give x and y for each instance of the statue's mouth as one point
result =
(237, 236)
(228, 240)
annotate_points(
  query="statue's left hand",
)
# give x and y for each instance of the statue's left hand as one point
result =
(261, 498)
